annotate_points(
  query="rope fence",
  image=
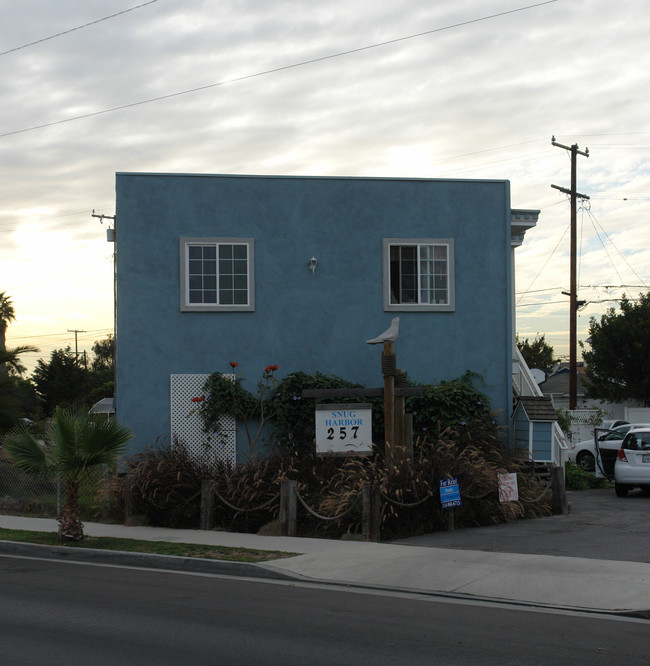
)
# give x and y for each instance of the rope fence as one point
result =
(406, 505)
(371, 496)
(318, 515)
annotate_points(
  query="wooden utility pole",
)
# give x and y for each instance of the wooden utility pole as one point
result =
(573, 293)
(76, 332)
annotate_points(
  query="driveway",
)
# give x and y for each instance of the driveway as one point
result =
(599, 526)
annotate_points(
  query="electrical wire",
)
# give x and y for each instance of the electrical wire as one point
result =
(79, 27)
(545, 263)
(627, 263)
(275, 70)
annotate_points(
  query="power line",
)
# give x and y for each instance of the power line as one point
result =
(594, 221)
(79, 27)
(545, 263)
(275, 70)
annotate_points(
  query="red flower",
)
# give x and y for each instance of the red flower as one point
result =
(232, 364)
(275, 367)
(201, 399)
(269, 368)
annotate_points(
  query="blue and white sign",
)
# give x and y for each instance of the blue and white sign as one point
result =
(450, 493)
(345, 428)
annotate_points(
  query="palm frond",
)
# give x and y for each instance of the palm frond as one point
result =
(26, 452)
(81, 441)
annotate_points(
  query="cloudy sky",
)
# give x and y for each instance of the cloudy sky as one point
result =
(404, 88)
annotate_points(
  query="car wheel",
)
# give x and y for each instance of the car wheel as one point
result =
(620, 490)
(586, 461)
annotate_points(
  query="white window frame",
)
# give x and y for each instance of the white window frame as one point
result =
(449, 305)
(186, 306)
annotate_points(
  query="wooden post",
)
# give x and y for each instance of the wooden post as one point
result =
(558, 490)
(400, 440)
(129, 497)
(371, 520)
(450, 519)
(408, 434)
(389, 404)
(207, 505)
(288, 508)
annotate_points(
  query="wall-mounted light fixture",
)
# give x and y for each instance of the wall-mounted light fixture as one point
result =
(312, 264)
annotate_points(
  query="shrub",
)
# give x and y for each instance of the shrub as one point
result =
(575, 478)
(167, 485)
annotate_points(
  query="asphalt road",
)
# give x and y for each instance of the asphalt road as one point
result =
(599, 525)
(69, 613)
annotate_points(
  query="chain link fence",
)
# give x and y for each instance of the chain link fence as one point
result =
(21, 493)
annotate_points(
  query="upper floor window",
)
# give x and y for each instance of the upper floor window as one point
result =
(217, 274)
(418, 274)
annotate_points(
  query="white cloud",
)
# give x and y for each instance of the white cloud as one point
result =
(479, 100)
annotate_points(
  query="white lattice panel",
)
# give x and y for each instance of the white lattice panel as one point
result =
(592, 417)
(186, 425)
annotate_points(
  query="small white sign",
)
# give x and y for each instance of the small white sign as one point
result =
(508, 489)
(345, 428)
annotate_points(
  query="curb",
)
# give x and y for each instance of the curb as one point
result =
(143, 560)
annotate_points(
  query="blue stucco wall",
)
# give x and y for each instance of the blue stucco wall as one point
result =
(304, 321)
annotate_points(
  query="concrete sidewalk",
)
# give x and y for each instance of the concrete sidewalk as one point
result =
(546, 580)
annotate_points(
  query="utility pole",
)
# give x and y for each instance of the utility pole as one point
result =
(111, 237)
(573, 294)
(76, 331)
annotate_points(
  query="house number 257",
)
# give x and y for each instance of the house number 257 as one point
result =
(343, 432)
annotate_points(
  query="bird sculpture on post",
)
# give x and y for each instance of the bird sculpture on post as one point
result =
(389, 335)
(388, 338)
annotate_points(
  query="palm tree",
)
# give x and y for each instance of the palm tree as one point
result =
(10, 407)
(76, 442)
(10, 358)
(7, 314)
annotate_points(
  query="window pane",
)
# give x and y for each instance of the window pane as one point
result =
(209, 252)
(239, 267)
(225, 297)
(194, 252)
(240, 251)
(225, 251)
(240, 297)
(440, 252)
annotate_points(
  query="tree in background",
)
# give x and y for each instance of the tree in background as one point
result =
(538, 353)
(65, 382)
(7, 314)
(61, 382)
(103, 369)
(76, 443)
(104, 356)
(17, 395)
(618, 365)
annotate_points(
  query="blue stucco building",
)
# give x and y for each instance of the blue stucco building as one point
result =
(300, 272)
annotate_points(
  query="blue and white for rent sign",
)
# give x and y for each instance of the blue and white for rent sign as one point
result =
(344, 428)
(450, 493)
